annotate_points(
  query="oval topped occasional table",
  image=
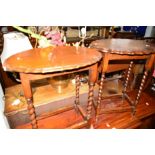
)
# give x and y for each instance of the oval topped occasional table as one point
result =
(124, 49)
(41, 63)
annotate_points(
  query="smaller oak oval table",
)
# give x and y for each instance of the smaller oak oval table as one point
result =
(124, 49)
(41, 63)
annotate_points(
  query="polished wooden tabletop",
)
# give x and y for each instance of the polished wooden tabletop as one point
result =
(52, 59)
(124, 46)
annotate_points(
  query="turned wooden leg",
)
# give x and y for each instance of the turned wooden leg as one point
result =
(90, 102)
(93, 74)
(141, 87)
(148, 66)
(28, 95)
(77, 82)
(31, 111)
(99, 95)
(127, 79)
(139, 92)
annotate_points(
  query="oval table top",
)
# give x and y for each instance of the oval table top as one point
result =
(124, 46)
(52, 59)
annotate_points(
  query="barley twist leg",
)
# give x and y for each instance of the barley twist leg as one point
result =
(31, 111)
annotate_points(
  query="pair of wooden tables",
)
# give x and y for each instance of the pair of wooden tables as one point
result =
(53, 61)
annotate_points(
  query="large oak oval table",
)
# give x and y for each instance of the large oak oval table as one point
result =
(41, 63)
(124, 49)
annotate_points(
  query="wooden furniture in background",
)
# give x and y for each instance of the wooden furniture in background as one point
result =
(124, 35)
(72, 33)
(124, 49)
(104, 31)
(55, 61)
